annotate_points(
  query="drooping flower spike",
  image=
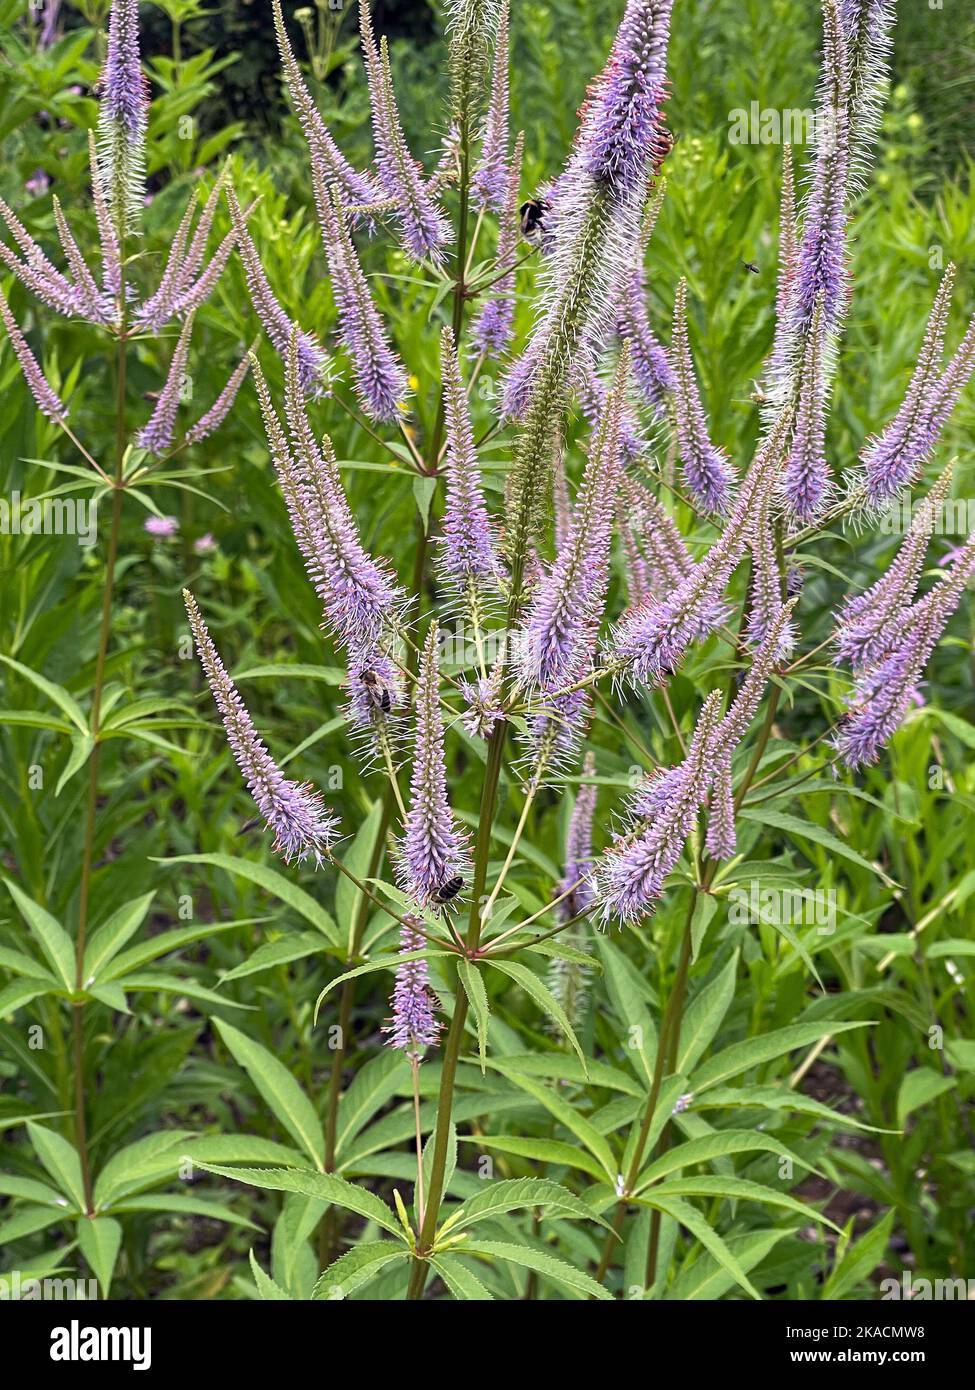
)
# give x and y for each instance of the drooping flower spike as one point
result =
(766, 589)
(493, 326)
(379, 376)
(433, 860)
(212, 419)
(47, 400)
(359, 596)
(303, 826)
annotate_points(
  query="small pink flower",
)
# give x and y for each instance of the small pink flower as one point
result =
(162, 527)
(205, 544)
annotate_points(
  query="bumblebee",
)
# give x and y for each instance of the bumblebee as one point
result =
(377, 691)
(532, 217)
(448, 889)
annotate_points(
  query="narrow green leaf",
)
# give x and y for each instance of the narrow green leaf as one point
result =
(324, 1187)
(112, 935)
(279, 1089)
(542, 1263)
(53, 940)
(61, 1160)
(544, 998)
(100, 1238)
(473, 982)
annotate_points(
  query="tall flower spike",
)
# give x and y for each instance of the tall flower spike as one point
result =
(766, 590)
(651, 366)
(107, 235)
(213, 418)
(466, 558)
(556, 644)
(822, 270)
(659, 537)
(301, 822)
(423, 227)
(327, 160)
(413, 1026)
(312, 361)
(489, 187)
(600, 203)
(98, 307)
(379, 376)
(433, 853)
(493, 326)
(630, 877)
(806, 479)
(578, 848)
(179, 290)
(470, 27)
(157, 435)
(779, 365)
(621, 122)
(707, 470)
(37, 273)
(867, 25)
(47, 400)
(123, 118)
(870, 624)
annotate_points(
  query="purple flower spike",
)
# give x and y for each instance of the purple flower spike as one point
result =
(870, 624)
(896, 458)
(489, 187)
(312, 361)
(328, 162)
(766, 594)
(301, 822)
(492, 329)
(467, 555)
(707, 471)
(721, 841)
(47, 400)
(806, 479)
(123, 117)
(37, 273)
(423, 227)
(433, 852)
(621, 122)
(651, 366)
(822, 272)
(555, 647)
(213, 418)
(157, 435)
(630, 876)
(380, 379)
(484, 709)
(358, 594)
(868, 26)
(376, 687)
(414, 1026)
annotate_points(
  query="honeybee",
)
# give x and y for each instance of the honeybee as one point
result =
(448, 889)
(532, 215)
(377, 690)
(751, 267)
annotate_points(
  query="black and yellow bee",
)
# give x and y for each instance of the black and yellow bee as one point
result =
(449, 889)
(532, 216)
(377, 690)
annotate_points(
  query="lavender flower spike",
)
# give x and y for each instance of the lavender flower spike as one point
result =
(423, 228)
(806, 479)
(312, 361)
(896, 456)
(707, 471)
(433, 852)
(213, 418)
(766, 592)
(48, 401)
(492, 329)
(123, 117)
(327, 160)
(867, 25)
(301, 822)
(621, 122)
(630, 877)
(489, 187)
(414, 1026)
(157, 435)
(380, 379)
(651, 366)
(870, 623)
(467, 558)
(578, 848)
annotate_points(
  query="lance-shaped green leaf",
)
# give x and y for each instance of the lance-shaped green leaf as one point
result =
(279, 1089)
(47, 931)
(530, 1257)
(112, 935)
(736, 1187)
(382, 963)
(100, 1238)
(690, 1218)
(752, 1052)
(473, 982)
(514, 1194)
(325, 1187)
(61, 1160)
(356, 1267)
(544, 998)
(711, 1146)
(460, 1282)
(272, 882)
